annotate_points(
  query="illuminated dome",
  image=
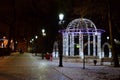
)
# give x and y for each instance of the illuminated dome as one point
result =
(81, 23)
(82, 32)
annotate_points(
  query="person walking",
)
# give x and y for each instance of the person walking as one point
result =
(51, 57)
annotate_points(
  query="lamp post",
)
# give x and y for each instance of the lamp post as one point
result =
(61, 17)
(44, 38)
(114, 54)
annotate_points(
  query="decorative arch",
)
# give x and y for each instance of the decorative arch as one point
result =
(85, 31)
(109, 47)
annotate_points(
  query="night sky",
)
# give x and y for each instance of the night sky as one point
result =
(28, 17)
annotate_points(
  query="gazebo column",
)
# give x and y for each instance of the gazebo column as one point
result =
(110, 53)
(72, 44)
(94, 45)
(81, 45)
(66, 44)
(88, 45)
(55, 49)
(99, 45)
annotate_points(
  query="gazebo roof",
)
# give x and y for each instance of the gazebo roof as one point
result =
(81, 23)
(82, 26)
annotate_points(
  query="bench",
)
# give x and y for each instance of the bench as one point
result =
(71, 58)
(106, 59)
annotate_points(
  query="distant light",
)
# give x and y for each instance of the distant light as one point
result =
(108, 37)
(4, 37)
(16, 42)
(43, 30)
(115, 40)
(11, 41)
(44, 34)
(36, 37)
(32, 39)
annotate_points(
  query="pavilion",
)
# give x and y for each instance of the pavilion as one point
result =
(81, 37)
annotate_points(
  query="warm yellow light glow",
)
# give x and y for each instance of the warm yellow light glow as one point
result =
(5, 43)
(77, 46)
(4, 37)
(11, 41)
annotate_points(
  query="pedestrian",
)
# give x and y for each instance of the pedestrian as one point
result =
(47, 56)
(95, 62)
(51, 57)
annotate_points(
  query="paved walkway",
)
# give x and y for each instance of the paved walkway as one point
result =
(29, 67)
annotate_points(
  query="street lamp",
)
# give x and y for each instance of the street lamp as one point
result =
(43, 32)
(114, 54)
(61, 17)
(36, 37)
(108, 37)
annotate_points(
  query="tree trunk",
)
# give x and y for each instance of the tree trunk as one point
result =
(114, 54)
